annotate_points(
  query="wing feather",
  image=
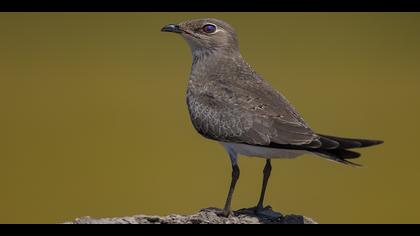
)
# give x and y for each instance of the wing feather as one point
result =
(248, 112)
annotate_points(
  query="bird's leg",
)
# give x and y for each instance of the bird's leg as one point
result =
(267, 172)
(235, 176)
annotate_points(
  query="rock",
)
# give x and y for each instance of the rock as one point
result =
(205, 216)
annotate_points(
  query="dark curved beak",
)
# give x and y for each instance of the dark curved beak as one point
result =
(171, 28)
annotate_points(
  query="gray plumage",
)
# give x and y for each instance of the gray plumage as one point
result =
(233, 104)
(230, 103)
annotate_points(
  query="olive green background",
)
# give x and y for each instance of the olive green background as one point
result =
(93, 118)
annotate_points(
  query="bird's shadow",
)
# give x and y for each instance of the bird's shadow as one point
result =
(269, 216)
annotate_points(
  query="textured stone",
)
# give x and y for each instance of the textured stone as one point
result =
(205, 216)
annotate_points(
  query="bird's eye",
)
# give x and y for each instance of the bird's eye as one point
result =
(209, 28)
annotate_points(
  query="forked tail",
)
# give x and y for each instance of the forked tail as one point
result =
(340, 153)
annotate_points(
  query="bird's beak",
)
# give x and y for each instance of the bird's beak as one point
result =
(171, 28)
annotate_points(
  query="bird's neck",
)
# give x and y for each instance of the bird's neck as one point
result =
(215, 53)
(213, 62)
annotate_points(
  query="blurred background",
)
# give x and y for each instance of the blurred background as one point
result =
(94, 122)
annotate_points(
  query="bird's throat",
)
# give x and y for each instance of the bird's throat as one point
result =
(213, 62)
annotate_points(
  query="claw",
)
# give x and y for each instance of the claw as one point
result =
(261, 209)
(223, 213)
(226, 213)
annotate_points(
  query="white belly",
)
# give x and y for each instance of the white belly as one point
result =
(263, 152)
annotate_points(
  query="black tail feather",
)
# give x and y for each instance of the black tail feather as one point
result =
(344, 154)
(333, 148)
(346, 143)
(340, 155)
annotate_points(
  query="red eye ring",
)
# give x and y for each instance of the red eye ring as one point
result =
(209, 28)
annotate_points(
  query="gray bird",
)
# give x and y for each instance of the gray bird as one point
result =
(230, 103)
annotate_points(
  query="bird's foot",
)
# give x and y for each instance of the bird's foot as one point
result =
(221, 212)
(261, 211)
(267, 212)
(226, 213)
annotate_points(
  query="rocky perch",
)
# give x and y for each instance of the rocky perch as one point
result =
(205, 216)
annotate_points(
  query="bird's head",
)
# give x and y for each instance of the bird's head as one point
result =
(206, 35)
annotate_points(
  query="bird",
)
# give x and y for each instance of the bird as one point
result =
(229, 102)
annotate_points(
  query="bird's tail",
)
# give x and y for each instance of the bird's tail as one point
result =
(340, 153)
(347, 143)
